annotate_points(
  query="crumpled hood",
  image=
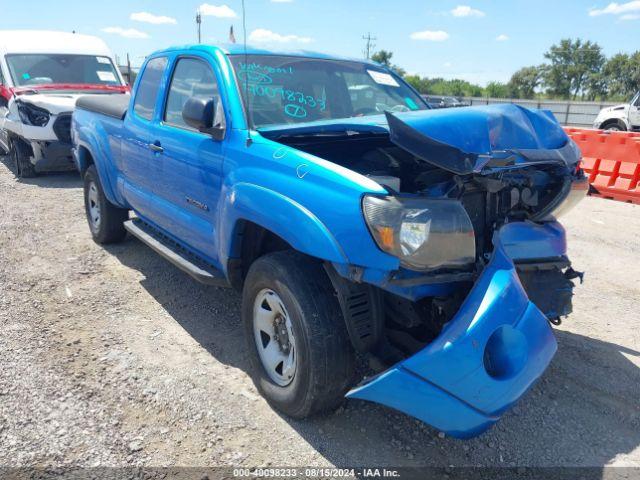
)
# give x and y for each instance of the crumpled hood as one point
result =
(461, 140)
(55, 104)
(465, 140)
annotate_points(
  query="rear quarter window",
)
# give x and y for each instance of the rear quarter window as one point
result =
(148, 87)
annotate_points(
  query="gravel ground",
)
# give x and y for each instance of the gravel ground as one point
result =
(112, 357)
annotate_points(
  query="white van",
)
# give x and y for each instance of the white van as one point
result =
(42, 73)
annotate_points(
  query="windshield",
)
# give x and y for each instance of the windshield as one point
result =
(289, 90)
(42, 69)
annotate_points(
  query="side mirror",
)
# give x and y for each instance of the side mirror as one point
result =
(198, 113)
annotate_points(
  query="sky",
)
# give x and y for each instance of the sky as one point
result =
(476, 40)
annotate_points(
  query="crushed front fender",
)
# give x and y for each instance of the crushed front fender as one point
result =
(485, 359)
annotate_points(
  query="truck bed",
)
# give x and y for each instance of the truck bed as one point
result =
(110, 105)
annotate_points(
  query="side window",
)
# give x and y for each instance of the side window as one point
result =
(191, 78)
(148, 87)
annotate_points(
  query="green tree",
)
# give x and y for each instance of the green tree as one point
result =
(621, 74)
(416, 82)
(497, 90)
(572, 63)
(596, 86)
(475, 91)
(383, 57)
(524, 82)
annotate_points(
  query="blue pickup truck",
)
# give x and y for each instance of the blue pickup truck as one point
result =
(357, 222)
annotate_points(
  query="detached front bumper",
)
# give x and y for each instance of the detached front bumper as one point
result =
(485, 359)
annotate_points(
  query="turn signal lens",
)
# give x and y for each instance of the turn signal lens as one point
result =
(387, 237)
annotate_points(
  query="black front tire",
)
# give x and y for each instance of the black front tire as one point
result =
(19, 153)
(615, 127)
(325, 358)
(108, 225)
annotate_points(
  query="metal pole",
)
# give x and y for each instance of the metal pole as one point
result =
(369, 46)
(199, 23)
(129, 69)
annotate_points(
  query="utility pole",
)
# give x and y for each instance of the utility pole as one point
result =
(129, 76)
(199, 23)
(369, 46)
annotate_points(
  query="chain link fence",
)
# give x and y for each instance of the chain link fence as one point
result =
(577, 114)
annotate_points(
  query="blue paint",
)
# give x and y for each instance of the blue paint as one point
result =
(524, 241)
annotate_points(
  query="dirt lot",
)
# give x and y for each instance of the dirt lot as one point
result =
(113, 357)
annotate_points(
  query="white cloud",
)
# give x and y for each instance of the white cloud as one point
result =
(147, 17)
(630, 16)
(617, 9)
(502, 38)
(466, 11)
(222, 11)
(262, 35)
(447, 64)
(125, 32)
(430, 35)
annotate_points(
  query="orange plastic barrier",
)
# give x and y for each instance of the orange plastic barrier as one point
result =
(612, 162)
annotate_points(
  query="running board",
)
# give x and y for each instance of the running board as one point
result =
(171, 251)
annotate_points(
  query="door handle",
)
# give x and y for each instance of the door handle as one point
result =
(156, 147)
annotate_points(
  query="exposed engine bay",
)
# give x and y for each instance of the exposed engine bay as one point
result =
(490, 198)
(535, 187)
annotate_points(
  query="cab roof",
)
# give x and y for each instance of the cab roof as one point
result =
(239, 49)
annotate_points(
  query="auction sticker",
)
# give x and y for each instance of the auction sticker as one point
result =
(106, 76)
(383, 78)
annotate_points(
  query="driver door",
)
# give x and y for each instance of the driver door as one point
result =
(191, 161)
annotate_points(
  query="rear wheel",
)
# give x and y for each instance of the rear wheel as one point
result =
(106, 221)
(19, 153)
(302, 359)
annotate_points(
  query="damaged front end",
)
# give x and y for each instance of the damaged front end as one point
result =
(461, 329)
(483, 360)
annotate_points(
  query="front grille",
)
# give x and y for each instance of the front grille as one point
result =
(62, 127)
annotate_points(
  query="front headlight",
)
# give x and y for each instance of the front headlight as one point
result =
(425, 234)
(32, 115)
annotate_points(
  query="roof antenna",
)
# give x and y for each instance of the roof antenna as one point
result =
(246, 75)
